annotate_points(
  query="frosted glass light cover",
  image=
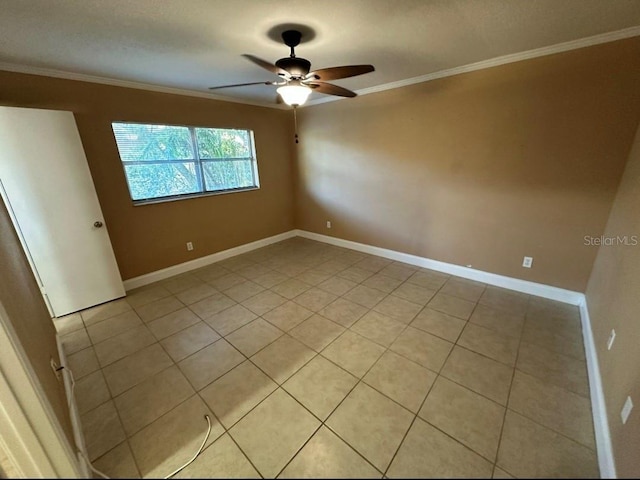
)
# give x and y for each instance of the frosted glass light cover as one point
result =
(294, 94)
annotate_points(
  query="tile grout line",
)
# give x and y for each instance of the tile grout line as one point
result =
(511, 366)
(566, 436)
(382, 393)
(413, 420)
(333, 274)
(204, 402)
(547, 383)
(361, 380)
(118, 413)
(322, 422)
(439, 374)
(506, 409)
(174, 294)
(393, 457)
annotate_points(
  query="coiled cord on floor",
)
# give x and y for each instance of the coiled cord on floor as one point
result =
(206, 437)
(72, 402)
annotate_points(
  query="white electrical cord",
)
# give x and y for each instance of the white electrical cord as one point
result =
(206, 437)
(72, 398)
(93, 469)
(71, 403)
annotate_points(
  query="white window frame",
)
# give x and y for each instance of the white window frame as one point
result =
(198, 163)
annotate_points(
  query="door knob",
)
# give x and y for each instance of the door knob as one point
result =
(97, 224)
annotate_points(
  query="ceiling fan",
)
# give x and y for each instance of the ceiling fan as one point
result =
(297, 81)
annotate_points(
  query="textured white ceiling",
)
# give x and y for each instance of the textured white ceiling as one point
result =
(194, 44)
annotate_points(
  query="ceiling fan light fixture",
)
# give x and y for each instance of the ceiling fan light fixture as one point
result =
(294, 95)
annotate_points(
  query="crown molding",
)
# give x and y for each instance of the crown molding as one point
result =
(82, 77)
(494, 62)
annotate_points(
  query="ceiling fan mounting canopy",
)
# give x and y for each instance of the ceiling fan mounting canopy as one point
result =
(291, 38)
(296, 71)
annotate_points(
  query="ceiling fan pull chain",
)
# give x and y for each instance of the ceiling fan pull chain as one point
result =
(295, 123)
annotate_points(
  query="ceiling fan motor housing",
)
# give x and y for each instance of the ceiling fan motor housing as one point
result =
(296, 66)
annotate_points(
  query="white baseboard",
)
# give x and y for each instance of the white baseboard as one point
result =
(152, 277)
(524, 286)
(532, 288)
(598, 406)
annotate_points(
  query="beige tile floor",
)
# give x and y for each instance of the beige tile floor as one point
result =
(318, 361)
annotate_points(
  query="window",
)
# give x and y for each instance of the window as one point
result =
(169, 162)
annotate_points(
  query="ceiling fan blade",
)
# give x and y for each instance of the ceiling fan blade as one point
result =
(331, 89)
(241, 85)
(266, 65)
(335, 73)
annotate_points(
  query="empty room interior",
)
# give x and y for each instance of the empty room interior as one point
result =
(338, 239)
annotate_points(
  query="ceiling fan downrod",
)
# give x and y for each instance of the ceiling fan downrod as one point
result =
(291, 39)
(297, 67)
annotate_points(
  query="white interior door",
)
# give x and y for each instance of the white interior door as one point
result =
(52, 198)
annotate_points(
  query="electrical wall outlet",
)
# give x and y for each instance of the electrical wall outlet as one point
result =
(626, 410)
(328, 224)
(527, 262)
(612, 338)
(189, 246)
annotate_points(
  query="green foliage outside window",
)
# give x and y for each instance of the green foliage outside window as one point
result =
(167, 161)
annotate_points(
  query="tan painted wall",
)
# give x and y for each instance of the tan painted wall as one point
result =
(150, 237)
(481, 168)
(29, 317)
(613, 301)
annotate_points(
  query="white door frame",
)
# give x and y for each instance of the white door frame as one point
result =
(31, 435)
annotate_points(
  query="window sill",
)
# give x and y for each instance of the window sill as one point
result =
(188, 196)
